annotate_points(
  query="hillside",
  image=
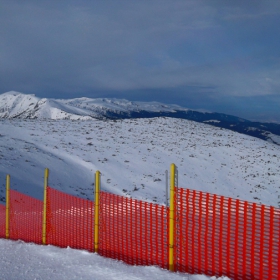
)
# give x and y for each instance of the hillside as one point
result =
(133, 155)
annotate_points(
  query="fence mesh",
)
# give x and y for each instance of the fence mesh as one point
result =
(214, 235)
(133, 231)
(25, 217)
(2, 221)
(69, 221)
(223, 236)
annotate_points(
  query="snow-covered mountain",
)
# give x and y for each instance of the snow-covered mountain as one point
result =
(133, 155)
(27, 106)
(24, 106)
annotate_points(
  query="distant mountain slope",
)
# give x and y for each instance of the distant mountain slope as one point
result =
(24, 106)
(27, 106)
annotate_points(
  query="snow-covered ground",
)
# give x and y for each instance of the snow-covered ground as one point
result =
(133, 155)
(19, 260)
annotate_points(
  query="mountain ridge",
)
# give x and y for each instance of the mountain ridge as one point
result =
(28, 106)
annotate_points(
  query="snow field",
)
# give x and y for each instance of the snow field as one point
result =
(133, 155)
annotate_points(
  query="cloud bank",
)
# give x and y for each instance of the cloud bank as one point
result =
(207, 54)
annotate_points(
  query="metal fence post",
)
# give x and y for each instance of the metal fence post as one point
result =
(172, 217)
(7, 206)
(96, 211)
(46, 178)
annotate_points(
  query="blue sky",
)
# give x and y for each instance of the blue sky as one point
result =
(216, 55)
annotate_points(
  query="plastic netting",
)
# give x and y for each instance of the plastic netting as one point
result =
(223, 236)
(25, 218)
(70, 221)
(133, 231)
(2, 221)
(214, 235)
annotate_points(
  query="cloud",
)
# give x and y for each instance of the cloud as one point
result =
(68, 48)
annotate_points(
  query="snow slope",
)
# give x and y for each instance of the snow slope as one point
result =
(133, 155)
(19, 260)
(17, 105)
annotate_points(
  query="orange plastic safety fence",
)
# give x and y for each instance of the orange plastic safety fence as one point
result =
(2, 221)
(25, 218)
(133, 231)
(224, 236)
(69, 221)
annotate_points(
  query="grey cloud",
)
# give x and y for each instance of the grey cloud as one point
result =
(213, 48)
